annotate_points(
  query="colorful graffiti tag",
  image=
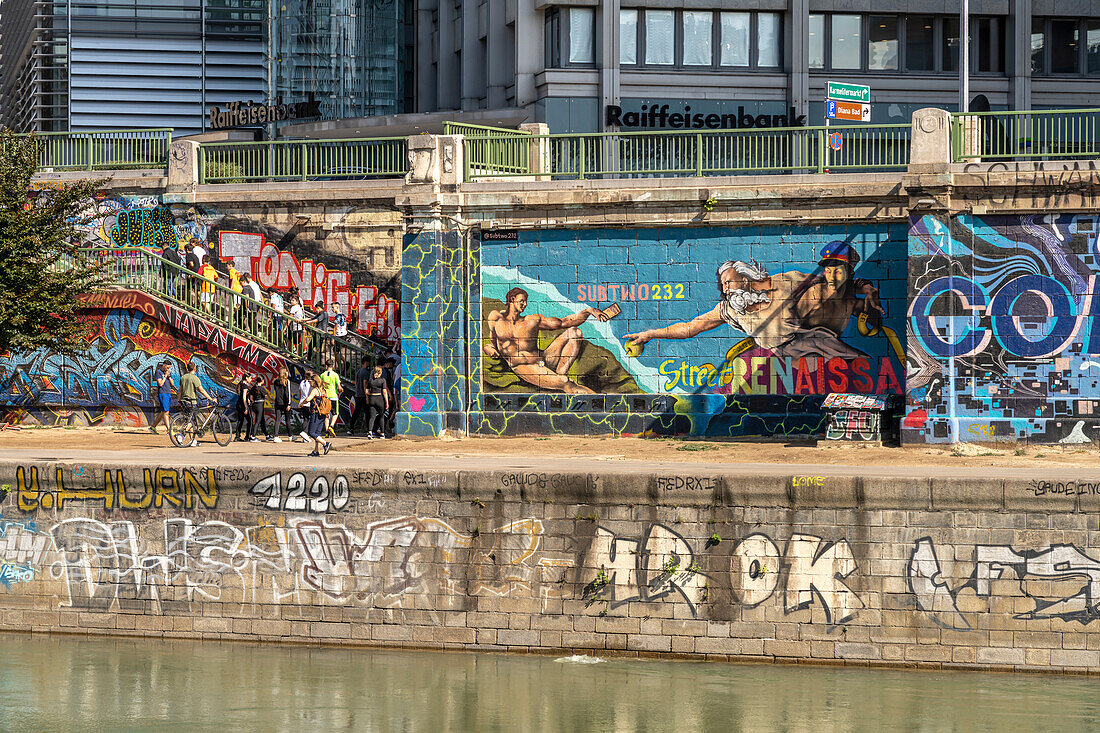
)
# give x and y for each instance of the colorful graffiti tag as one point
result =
(1001, 315)
(112, 380)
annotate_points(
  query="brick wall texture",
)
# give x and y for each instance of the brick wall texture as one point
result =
(996, 575)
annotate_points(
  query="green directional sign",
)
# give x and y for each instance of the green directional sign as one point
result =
(843, 92)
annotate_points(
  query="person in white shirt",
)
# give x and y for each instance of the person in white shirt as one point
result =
(278, 323)
(305, 388)
(297, 318)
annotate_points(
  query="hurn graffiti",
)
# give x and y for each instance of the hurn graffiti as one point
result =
(161, 487)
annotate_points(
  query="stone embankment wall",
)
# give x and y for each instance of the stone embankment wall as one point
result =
(995, 574)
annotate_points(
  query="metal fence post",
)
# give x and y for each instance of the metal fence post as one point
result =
(90, 149)
(821, 150)
(304, 161)
(698, 154)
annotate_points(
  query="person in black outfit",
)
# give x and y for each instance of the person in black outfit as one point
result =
(281, 392)
(257, 396)
(242, 406)
(361, 379)
(378, 404)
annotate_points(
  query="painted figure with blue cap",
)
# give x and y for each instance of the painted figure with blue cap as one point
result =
(792, 314)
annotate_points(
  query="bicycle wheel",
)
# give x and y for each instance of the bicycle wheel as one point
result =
(181, 430)
(222, 430)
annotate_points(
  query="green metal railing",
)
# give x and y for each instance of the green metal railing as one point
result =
(138, 268)
(303, 160)
(1022, 135)
(482, 153)
(104, 149)
(696, 153)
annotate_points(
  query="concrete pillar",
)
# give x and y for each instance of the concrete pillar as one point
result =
(798, 79)
(930, 141)
(183, 166)
(473, 63)
(435, 160)
(538, 152)
(1020, 97)
(447, 70)
(500, 59)
(608, 35)
(527, 50)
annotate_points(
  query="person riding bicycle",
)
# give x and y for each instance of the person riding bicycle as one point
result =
(190, 389)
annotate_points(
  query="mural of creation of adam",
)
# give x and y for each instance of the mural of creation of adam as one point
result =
(111, 381)
(143, 221)
(772, 315)
(1004, 343)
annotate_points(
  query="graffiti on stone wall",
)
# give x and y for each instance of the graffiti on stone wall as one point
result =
(112, 379)
(299, 494)
(22, 549)
(108, 565)
(1062, 582)
(285, 264)
(619, 570)
(160, 488)
(1006, 302)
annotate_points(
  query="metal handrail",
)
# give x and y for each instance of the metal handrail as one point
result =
(689, 152)
(142, 148)
(235, 312)
(1025, 134)
(464, 128)
(303, 160)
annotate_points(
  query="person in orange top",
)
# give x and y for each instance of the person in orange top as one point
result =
(210, 276)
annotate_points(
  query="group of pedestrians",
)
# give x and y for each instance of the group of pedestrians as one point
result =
(317, 404)
(284, 325)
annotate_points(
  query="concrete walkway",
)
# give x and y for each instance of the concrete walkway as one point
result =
(288, 456)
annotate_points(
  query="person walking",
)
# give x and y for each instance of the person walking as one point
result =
(319, 405)
(331, 380)
(210, 276)
(392, 372)
(241, 407)
(278, 335)
(361, 378)
(281, 400)
(190, 389)
(305, 387)
(163, 378)
(254, 295)
(235, 309)
(257, 398)
(379, 400)
(321, 323)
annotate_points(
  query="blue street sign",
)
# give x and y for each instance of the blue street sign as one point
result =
(830, 109)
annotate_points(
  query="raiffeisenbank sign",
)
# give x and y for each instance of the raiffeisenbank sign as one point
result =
(669, 117)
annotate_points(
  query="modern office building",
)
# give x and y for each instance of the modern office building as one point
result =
(583, 65)
(350, 56)
(96, 64)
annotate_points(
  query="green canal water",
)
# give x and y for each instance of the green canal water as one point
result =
(66, 683)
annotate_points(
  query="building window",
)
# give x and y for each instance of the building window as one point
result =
(1038, 46)
(846, 41)
(735, 30)
(920, 43)
(582, 35)
(882, 43)
(989, 39)
(950, 44)
(628, 37)
(1064, 47)
(660, 37)
(697, 37)
(817, 42)
(1092, 46)
(551, 38)
(767, 40)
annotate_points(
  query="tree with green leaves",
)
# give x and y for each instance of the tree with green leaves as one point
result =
(42, 277)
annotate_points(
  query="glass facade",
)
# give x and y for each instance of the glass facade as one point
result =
(345, 54)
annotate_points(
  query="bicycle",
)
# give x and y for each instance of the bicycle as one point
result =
(191, 424)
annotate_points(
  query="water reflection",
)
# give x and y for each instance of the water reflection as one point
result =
(54, 683)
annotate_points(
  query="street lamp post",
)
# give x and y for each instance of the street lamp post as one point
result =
(964, 57)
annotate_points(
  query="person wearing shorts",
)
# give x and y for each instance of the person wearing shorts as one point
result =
(331, 381)
(163, 378)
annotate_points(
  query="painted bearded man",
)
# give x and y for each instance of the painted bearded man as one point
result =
(792, 314)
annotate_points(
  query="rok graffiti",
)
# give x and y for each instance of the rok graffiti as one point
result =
(1071, 591)
(661, 562)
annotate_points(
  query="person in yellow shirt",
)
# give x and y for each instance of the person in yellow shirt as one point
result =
(237, 288)
(210, 276)
(331, 381)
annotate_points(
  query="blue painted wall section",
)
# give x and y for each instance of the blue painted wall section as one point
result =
(572, 359)
(1004, 343)
(438, 268)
